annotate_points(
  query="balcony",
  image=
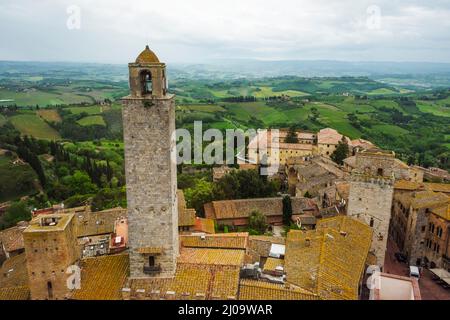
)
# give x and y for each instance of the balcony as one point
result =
(152, 269)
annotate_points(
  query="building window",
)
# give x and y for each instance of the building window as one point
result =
(50, 290)
(380, 171)
(439, 232)
(151, 261)
(371, 222)
(423, 228)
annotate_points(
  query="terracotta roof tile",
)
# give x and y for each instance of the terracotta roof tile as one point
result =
(443, 212)
(242, 208)
(13, 272)
(223, 241)
(328, 136)
(204, 225)
(272, 263)
(329, 260)
(102, 278)
(186, 216)
(191, 282)
(212, 256)
(15, 293)
(12, 238)
(258, 290)
(94, 223)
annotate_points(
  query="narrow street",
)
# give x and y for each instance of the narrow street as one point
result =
(429, 289)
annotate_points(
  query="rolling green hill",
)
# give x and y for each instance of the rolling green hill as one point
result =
(33, 125)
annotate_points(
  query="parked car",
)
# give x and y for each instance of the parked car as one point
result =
(400, 257)
(414, 272)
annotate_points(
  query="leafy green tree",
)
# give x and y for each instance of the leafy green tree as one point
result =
(287, 210)
(291, 136)
(244, 184)
(79, 183)
(200, 194)
(18, 211)
(109, 198)
(257, 222)
(341, 152)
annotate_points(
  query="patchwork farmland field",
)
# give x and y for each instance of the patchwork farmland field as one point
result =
(92, 120)
(51, 115)
(33, 125)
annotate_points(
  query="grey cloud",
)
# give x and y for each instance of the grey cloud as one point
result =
(198, 30)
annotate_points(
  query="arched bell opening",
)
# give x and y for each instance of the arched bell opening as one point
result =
(146, 82)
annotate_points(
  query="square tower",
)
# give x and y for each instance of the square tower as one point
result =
(371, 194)
(51, 247)
(150, 168)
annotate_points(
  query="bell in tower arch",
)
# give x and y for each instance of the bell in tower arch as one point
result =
(147, 76)
(146, 82)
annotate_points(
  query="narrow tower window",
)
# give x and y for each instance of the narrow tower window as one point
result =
(50, 290)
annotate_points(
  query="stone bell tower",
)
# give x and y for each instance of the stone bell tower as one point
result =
(150, 168)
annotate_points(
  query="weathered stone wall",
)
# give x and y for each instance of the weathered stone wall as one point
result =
(326, 150)
(415, 232)
(371, 198)
(260, 247)
(315, 185)
(49, 254)
(442, 241)
(101, 222)
(150, 169)
(158, 76)
(399, 220)
(371, 163)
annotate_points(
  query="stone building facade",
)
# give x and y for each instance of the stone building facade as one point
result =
(416, 225)
(437, 238)
(382, 162)
(312, 176)
(50, 248)
(327, 141)
(149, 137)
(370, 200)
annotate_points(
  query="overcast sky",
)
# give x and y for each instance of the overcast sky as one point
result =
(114, 31)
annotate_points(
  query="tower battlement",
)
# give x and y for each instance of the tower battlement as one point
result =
(370, 178)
